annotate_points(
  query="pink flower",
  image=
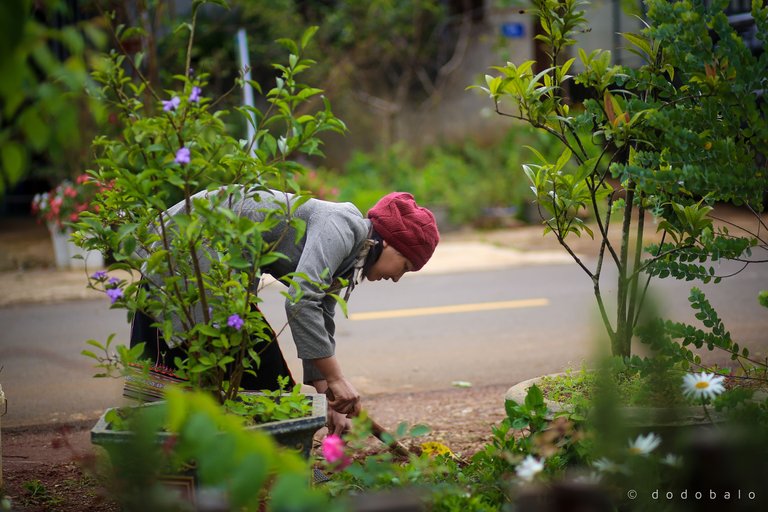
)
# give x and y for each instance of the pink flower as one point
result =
(56, 205)
(333, 451)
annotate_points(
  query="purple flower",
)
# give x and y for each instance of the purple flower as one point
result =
(182, 156)
(194, 96)
(113, 281)
(171, 104)
(114, 294)
(235, 321)
(99, 275)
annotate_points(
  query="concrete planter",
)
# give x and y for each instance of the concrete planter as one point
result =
(295, 433)
(641, 418)
(64, 251)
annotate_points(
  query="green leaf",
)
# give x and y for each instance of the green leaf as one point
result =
(511, 408)
(342, 304)
(420, 430)
(88, 353)
(534, 398)
(639, 41)
(207, 330)
(73, 40)
(250, 474)
(13, 159)
(96, 344)
(564, 158)
(306, 37)
(35, 129)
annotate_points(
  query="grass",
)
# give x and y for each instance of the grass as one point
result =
(39, 494)
(579, 387)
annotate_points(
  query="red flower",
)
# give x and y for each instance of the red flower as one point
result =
(64, 203)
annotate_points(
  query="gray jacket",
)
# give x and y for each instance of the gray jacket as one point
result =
(335, 235)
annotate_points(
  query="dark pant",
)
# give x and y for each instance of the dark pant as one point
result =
(160, 354)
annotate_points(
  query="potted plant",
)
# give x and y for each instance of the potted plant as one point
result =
(198, 274)
(60, 209)
(663, 143)
(234, 468)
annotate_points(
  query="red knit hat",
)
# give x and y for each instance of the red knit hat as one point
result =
(408, 227)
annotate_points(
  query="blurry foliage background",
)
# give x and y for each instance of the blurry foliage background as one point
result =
(46, 118)
(387, 66)
(377, 61)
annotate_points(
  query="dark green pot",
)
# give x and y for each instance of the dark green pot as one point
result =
(295, 433)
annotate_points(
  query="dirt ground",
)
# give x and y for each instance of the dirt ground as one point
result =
(50, 469)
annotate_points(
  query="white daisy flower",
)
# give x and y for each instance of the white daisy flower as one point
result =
(672, 460)
(590, 478)
(529, 468)
(703, 385)
(605, 465)
(644, 445)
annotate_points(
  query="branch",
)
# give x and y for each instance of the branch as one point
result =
(447, 69)
(746, 264)
(634, 304)
(603, 229)
(124, 52)
(648, 281)
(570, 251)
(733, 224)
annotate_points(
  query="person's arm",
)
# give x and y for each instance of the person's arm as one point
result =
(308, 308)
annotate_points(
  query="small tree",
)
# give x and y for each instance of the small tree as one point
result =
(686, 129)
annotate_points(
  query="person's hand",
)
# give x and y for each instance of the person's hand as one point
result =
(337, 423)
(343, 397)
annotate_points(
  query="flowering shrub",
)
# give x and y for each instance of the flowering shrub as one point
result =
(63, 205)
(196, 273)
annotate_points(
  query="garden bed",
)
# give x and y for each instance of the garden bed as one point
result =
(42, 466)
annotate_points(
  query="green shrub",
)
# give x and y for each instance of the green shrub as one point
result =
(463, 179)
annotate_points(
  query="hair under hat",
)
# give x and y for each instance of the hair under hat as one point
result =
(408, 227)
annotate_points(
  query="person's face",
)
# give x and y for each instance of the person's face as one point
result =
(390, 265)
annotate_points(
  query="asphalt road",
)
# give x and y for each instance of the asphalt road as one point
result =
(424, 333)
